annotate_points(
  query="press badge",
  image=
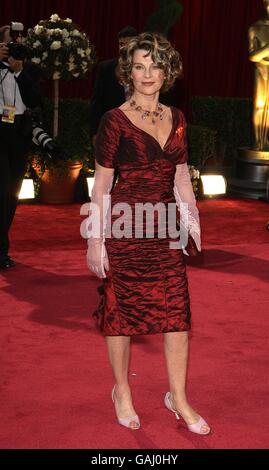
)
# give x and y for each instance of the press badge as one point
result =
(8, 114)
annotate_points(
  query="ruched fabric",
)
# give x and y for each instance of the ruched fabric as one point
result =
(146, 288)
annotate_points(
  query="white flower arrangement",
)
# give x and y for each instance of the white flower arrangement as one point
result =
(61, 49)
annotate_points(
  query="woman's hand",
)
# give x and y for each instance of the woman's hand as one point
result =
(197, 239)
(97, 259)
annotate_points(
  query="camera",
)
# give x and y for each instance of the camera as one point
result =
(41, 138)
(16, 49)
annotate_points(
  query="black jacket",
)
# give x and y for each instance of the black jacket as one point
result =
(107, 92)
(29, 84)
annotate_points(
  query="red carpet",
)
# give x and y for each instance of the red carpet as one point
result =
(55, 376)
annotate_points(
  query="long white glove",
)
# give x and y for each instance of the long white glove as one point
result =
(97, 259)
(186, 202)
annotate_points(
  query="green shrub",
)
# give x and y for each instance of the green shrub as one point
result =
(74, 136)
(230, 117)
(201, 144)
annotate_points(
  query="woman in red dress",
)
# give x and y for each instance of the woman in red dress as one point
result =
(145, 287)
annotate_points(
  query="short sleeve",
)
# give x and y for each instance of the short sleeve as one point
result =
(107, 141)
(183, 155)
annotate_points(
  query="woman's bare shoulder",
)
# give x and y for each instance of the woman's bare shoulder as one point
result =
(124, 106)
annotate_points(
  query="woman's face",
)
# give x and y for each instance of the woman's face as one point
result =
(147, 77)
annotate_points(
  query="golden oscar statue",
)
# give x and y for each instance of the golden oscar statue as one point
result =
(252, 164)
(259, 55)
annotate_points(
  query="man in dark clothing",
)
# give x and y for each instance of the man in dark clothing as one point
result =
(19, 91)
(108, 93)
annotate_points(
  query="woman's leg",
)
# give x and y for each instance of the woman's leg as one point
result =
(119, 356)
(176, 355)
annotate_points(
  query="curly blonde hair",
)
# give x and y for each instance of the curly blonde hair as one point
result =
(161, 52)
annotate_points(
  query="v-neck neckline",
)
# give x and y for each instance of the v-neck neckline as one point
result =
(150, 135)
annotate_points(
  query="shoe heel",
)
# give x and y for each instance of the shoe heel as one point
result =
(168, 405)
(113, 393)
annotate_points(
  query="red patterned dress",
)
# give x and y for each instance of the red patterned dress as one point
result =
(146, 288)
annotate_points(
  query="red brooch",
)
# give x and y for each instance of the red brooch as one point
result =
(180, 131)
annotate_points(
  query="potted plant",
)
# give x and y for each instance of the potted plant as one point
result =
(59, 175)
(64, 53)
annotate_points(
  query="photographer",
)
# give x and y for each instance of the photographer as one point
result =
(19, 92)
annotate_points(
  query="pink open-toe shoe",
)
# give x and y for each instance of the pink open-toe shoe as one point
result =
(126, 421)
(195, 427)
